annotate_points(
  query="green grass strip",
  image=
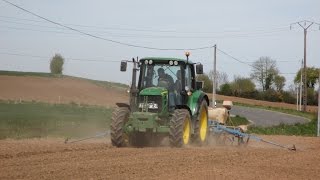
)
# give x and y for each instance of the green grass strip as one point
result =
(29, 120)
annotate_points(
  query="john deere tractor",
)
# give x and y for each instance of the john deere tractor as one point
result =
(165, 102)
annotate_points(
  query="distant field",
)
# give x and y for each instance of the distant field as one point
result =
(29, 120)
(48, 88)
(42, 74)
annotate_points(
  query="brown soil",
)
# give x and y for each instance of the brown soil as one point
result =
(96, 159)
(50, 89)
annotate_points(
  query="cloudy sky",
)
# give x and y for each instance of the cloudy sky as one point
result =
(246, 30)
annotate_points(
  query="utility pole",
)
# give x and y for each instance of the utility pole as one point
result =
(214, 76)
(305, 26)
(300, 95)
(318, 132)
(297, 91)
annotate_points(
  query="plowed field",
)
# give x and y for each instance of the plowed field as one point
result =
(97, 159)
(59, 90)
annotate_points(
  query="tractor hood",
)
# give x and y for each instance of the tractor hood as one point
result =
(153, 91)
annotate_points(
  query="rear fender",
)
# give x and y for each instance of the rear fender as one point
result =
(195, 100)
(202, 97)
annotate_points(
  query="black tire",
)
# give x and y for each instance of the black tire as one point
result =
(200, 137)
(119, 117)
(179, 122)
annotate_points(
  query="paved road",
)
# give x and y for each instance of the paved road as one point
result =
(265, 118)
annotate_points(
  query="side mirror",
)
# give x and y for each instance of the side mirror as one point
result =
(123, 66)
(199, 69)
(199, 85)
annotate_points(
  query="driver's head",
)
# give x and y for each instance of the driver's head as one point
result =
(179, 74)
(161, 72)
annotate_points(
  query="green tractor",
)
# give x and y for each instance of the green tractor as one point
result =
(166, 102)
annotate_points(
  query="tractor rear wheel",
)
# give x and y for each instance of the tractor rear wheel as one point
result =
(201, 128)
(180, 128)
(119, 117)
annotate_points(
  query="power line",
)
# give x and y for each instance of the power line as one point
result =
(244, 62)
(139, 35)
(34, 30)
(288, 73)
(22, 23)
(258, 34)
(152, 30)
(106, 39)
(46, 57)
(232, 57)
(279, 61)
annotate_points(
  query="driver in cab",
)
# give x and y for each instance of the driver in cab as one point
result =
(165, 80)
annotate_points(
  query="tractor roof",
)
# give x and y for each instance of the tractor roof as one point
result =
(166, 59)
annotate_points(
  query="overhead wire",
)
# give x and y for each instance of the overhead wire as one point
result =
(66, 58)
(157, 31)
(143, 36)
(245, 62)
(226, 35)
(234, 58)
(106, 39)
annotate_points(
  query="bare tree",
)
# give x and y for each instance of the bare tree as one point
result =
(221, 78)
(292, 89)
(264, 71)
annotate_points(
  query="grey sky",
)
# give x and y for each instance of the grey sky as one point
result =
(245, 29)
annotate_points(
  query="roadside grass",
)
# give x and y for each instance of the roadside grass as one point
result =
(307, 129)
(237, 120)
(35, 120)
(298, 129)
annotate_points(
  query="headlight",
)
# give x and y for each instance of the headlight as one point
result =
(150, 105)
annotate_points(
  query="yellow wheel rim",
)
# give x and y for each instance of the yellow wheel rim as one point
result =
(186, 131)
(203, 125)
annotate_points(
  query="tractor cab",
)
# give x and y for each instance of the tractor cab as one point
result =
(166, 76)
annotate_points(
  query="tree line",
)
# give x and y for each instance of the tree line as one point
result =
(264, 83)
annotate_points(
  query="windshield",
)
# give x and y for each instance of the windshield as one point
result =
(160, 75)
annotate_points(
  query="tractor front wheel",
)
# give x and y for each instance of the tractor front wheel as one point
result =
(180, 128)
(201, 125)
(119, 117)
